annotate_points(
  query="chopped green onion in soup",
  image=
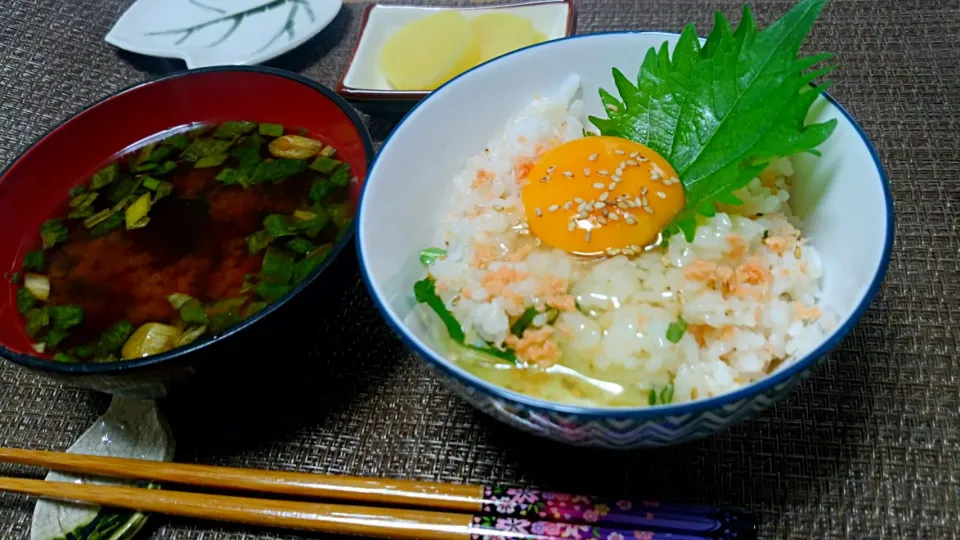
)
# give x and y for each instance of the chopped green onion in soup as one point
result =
(230, 216)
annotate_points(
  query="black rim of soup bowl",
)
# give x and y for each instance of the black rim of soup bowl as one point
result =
(129, 366)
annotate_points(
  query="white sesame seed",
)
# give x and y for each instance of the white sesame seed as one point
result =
(604, 196)
(634, 154)
(661, 194)
(616, 178)
(553, 208)
(632, 163)
(611, 186)
(586, 171)
(605, 212)
(618, 172)
(656, 173)
(628, 217)
(648, 210)
(642, 159)
(674, 180)
(498, 208)
(627, 251)
(622, 165)
(614, 217)
(577, 200)
(612, 107)
(603, 172)
(551, 168)
(568, 205)
(618, 152)
(571, 226)
(622, 206)
(643, 190)
(609, 251)
(593, 157)
(601, 220)
(583, 214)
(568, 174)
(545, 179)
(599, 205)
(598, 185)
(637, 201)
(586, 237)
(538, 211)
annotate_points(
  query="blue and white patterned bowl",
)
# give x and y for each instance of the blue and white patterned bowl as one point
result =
(844, 199)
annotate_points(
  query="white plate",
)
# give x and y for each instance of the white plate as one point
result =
(220, 32)
(554, 18)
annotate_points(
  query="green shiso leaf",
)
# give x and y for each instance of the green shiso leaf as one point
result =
(719, 113)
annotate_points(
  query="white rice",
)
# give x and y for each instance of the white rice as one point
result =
(614, 345)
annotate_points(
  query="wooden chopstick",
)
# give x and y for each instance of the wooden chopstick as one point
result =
(307, 516)
(348, 488)
(471, 511)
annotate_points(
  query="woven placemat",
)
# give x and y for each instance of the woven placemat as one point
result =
(869, 447)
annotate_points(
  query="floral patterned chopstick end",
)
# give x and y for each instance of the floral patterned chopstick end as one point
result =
(543, 515)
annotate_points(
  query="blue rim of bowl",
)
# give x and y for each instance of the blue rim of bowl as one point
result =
(650, 412)
(127, 366)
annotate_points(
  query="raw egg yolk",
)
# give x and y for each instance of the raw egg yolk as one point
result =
(601, 195)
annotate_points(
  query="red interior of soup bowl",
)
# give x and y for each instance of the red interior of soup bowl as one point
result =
(34, 188)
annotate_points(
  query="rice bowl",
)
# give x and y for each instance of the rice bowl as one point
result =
(405, 208)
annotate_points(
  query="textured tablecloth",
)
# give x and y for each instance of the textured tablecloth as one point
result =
(869, 447)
